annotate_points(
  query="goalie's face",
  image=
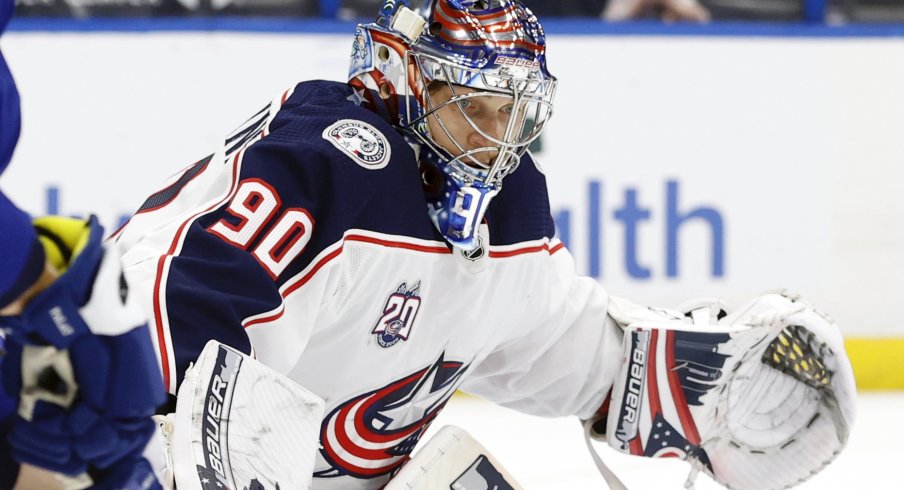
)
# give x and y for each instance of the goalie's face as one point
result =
(469, 126)
(483, 131)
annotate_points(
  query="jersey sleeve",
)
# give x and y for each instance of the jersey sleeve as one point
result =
(199, 263)
(560, 358)
(218, 250)
(564, 358)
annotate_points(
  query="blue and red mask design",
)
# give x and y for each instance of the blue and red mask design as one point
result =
(425, 67)
(372, 434)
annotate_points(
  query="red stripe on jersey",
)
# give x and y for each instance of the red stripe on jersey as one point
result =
(292, 287)
(301, 282)
(158, 323)
(158, 295)
(684, 413)
(275, 316)
(443, 250)
(396, 244)
(118, 230)
(499, 254)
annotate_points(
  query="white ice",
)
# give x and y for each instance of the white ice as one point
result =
(550, 453)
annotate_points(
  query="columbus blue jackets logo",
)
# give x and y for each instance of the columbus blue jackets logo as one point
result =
(365, 144)
(399, 313)
(372, 434)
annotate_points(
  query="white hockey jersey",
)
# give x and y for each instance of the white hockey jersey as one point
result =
(305, 239)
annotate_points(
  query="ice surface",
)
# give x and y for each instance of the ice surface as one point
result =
(550, 454)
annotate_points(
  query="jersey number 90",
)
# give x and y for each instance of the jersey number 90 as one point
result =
(255, 205)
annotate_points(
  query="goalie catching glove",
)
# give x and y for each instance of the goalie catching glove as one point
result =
(762, 398)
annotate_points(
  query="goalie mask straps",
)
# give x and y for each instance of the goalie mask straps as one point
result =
(611, 480)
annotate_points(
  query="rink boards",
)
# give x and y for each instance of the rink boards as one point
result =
(678, 166)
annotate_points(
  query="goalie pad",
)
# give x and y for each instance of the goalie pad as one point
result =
(242, 425)
(452, 459)
(760, 399)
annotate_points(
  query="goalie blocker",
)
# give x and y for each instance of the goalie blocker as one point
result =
(762, 398)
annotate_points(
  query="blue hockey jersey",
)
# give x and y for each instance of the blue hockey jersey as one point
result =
(305, 240)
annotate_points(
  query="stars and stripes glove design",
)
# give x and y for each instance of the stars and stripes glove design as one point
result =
(761, 398)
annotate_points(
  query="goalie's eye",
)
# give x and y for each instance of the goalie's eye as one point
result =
(466, 105)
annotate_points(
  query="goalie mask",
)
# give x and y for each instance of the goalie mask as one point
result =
(467, 81)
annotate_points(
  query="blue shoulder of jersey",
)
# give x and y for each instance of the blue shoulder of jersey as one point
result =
(341, 164)
(520, 212)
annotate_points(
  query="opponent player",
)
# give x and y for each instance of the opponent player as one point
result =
(305, 239)
(79, 381)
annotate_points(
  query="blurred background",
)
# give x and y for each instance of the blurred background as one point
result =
(699, 147)
(833, 11)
